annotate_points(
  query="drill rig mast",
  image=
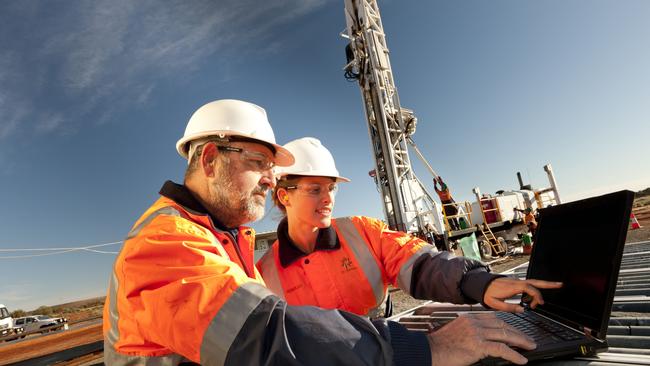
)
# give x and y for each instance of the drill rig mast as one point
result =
(407, 205)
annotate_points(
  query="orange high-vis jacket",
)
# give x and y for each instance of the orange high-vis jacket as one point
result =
(353, 276)
(180, 289)
(444, 194)
(182, 292)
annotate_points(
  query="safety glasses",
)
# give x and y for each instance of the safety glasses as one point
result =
(255, 160)
(314, 190)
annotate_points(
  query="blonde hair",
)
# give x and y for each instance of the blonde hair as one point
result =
(284, 182)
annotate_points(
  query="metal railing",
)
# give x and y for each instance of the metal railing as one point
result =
(463, 212)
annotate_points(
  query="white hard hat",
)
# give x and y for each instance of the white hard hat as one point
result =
(229, 117)
(312, 159)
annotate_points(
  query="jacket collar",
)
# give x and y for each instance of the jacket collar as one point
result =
(181, 195)
(289, 252)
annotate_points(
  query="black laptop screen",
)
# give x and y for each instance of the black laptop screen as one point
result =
(578, 243)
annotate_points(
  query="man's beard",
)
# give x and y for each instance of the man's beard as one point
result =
(232, 206)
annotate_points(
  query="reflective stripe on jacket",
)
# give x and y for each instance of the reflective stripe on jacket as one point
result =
(354, 277)
(179, 290)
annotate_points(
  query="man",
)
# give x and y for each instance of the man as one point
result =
(448, 203)
(529, 219)
(184, 287)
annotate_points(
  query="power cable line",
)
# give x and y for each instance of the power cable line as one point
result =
(36, 255)
(56, 251)
(100, 251)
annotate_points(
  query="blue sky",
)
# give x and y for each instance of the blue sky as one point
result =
(94, 95)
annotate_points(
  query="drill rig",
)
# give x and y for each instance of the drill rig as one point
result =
(407, 205)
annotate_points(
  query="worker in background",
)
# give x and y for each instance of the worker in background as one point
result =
(184, 288)
(348, 263)
(529, 220)
(448, 202)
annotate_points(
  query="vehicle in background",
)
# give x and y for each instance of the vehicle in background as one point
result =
(41, 324)
(8, 330)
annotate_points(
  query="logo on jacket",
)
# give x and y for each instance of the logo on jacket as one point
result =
(347, 264)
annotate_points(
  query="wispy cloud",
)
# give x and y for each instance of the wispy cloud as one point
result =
(66, 61)
(12, 110)
(49, 123)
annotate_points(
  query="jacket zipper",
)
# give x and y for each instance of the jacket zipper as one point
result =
(241, 258)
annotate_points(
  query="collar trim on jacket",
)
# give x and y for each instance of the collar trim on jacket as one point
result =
(181, 195)
(289, 252)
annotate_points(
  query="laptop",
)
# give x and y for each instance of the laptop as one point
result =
(580, 244)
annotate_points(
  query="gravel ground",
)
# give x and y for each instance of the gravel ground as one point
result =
(641, 234)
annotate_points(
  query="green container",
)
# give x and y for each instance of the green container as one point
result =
(469, 245)
(463, 223)
(527, 239)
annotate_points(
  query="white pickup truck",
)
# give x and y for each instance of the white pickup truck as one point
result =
(8, 330)
(40, 324)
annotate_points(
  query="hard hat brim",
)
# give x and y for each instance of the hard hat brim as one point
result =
(319, 174)
(282, 157)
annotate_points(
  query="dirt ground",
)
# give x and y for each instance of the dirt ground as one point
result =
(643, 216)
(53, 343)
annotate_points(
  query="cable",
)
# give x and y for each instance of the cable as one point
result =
(36, 255)
(55, 249)
(100, 251)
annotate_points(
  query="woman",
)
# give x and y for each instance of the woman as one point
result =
(348, 263)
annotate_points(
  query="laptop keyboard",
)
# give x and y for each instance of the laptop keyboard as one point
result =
(541, 330)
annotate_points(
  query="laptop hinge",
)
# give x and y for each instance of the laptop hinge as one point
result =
(590, 334)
